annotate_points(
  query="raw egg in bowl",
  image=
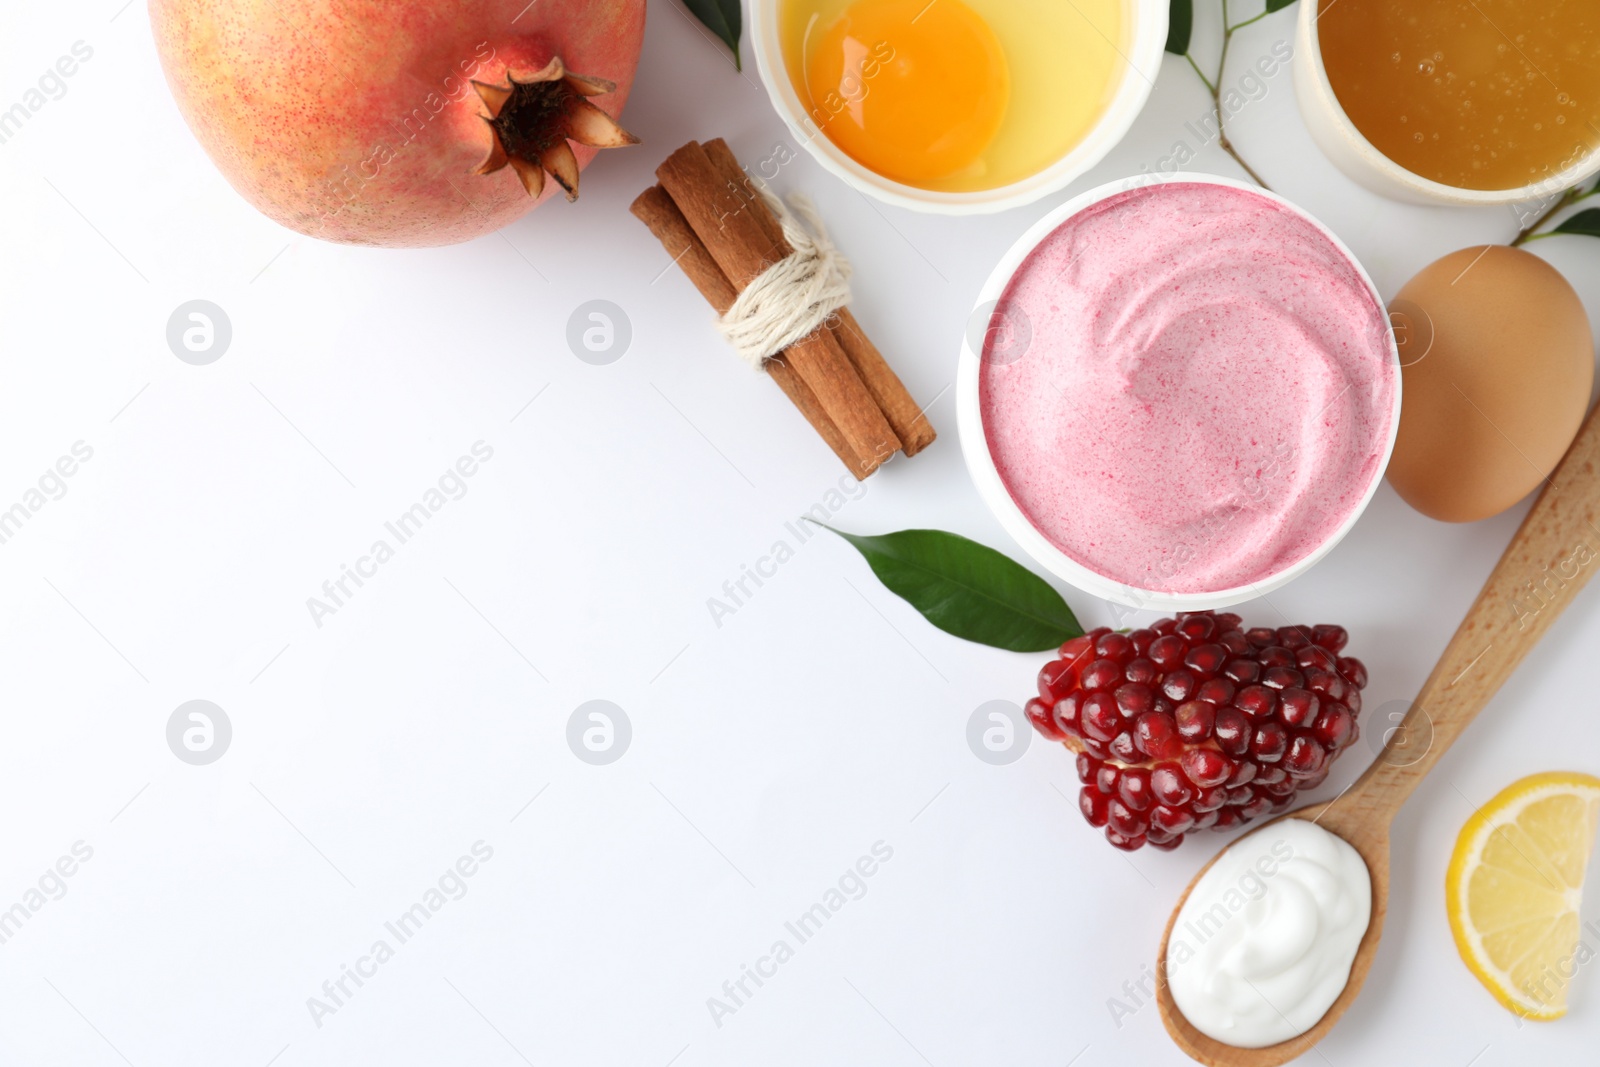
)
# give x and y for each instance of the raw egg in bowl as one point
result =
(958, 106)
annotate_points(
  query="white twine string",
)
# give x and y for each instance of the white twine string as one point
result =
(794, 296)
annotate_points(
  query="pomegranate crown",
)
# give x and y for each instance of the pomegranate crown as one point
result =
(536, 117)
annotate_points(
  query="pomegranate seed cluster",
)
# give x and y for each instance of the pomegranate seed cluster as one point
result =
(1194, 724)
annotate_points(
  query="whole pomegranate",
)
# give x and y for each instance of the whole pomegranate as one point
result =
(400, 122)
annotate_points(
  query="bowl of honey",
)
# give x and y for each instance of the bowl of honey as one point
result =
(1453, 101)
(958, 106)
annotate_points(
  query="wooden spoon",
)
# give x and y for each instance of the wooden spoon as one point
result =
(1547, 562)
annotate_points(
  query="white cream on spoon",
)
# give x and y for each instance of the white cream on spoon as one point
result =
(1263, 945)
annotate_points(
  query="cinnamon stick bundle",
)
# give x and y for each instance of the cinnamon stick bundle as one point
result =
(712, 221)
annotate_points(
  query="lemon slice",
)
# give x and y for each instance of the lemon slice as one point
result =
(1514, 886)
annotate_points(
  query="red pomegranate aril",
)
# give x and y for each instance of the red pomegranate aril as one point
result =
(1243, 774)
(1275, 656)
(1334, 726)
(1232, 731)
(1170, 820)
(1240, 795)
(1286, 788)
(1197, 627)
(1234, 642)
(1261, 636)
(1124, 842)
(1133, 788)
(1105, 778)
(1325, 683)
(1099, 718)
(1115, 646)
(1205, 820)
(1281, 804)
(1134, 700)
(1332, 638)
(1304, 756)
(1256, 807)
(1167, 651)
(1179, 685)
(1283, 678)
(1311, 781)
(1270, 773)
(1293, 637)
(1095, 748)
(1169, 786)
(1088, 767)
(1124, 748)
(1164, 844)
(1194, 720)
(1101, 674)
(1298, 707)
(1038, 713)
(1209, 799)
(1207, 659)
(1227, 819)
(1242, 671)
(1269, 744)
(1354, 671)
(1218, 691)
(1227, 620)
(1352, 700)
(1055, 681)
(1094, 806)
(1206, 767)
(1257, 701)
(1073, 648)
(1141, 640)
(1163, 627)
(1123, 819)
(1315, 656)
(1141, 670)
(1067, 711)
(1157, 735)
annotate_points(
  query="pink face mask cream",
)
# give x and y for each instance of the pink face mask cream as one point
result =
(1184, 395)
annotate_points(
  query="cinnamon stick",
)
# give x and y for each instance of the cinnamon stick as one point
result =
(740, 247)
(905, 416)
(801, 396)
(910, 423)
(657, 211)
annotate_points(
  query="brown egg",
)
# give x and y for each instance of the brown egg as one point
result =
(1497, 361)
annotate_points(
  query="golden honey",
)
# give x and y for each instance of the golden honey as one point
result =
(1476, 94)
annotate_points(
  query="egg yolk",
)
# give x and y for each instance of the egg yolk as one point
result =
(911, 89)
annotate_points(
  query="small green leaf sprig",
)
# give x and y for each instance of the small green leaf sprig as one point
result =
(1585, 223)
(1180, 27)
(968, 589)
(723, 18)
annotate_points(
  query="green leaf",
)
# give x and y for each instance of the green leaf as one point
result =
(1277, 5)
(968, 589)
(1586, 223)
(1180, 24)
(721, 17)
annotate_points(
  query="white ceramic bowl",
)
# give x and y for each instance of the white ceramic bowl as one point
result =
(981, 465)
(1143, 42)
(1349, 150)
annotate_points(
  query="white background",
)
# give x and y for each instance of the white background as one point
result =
(768, 754)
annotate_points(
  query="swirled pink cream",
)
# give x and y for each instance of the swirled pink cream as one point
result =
(1194, 389)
